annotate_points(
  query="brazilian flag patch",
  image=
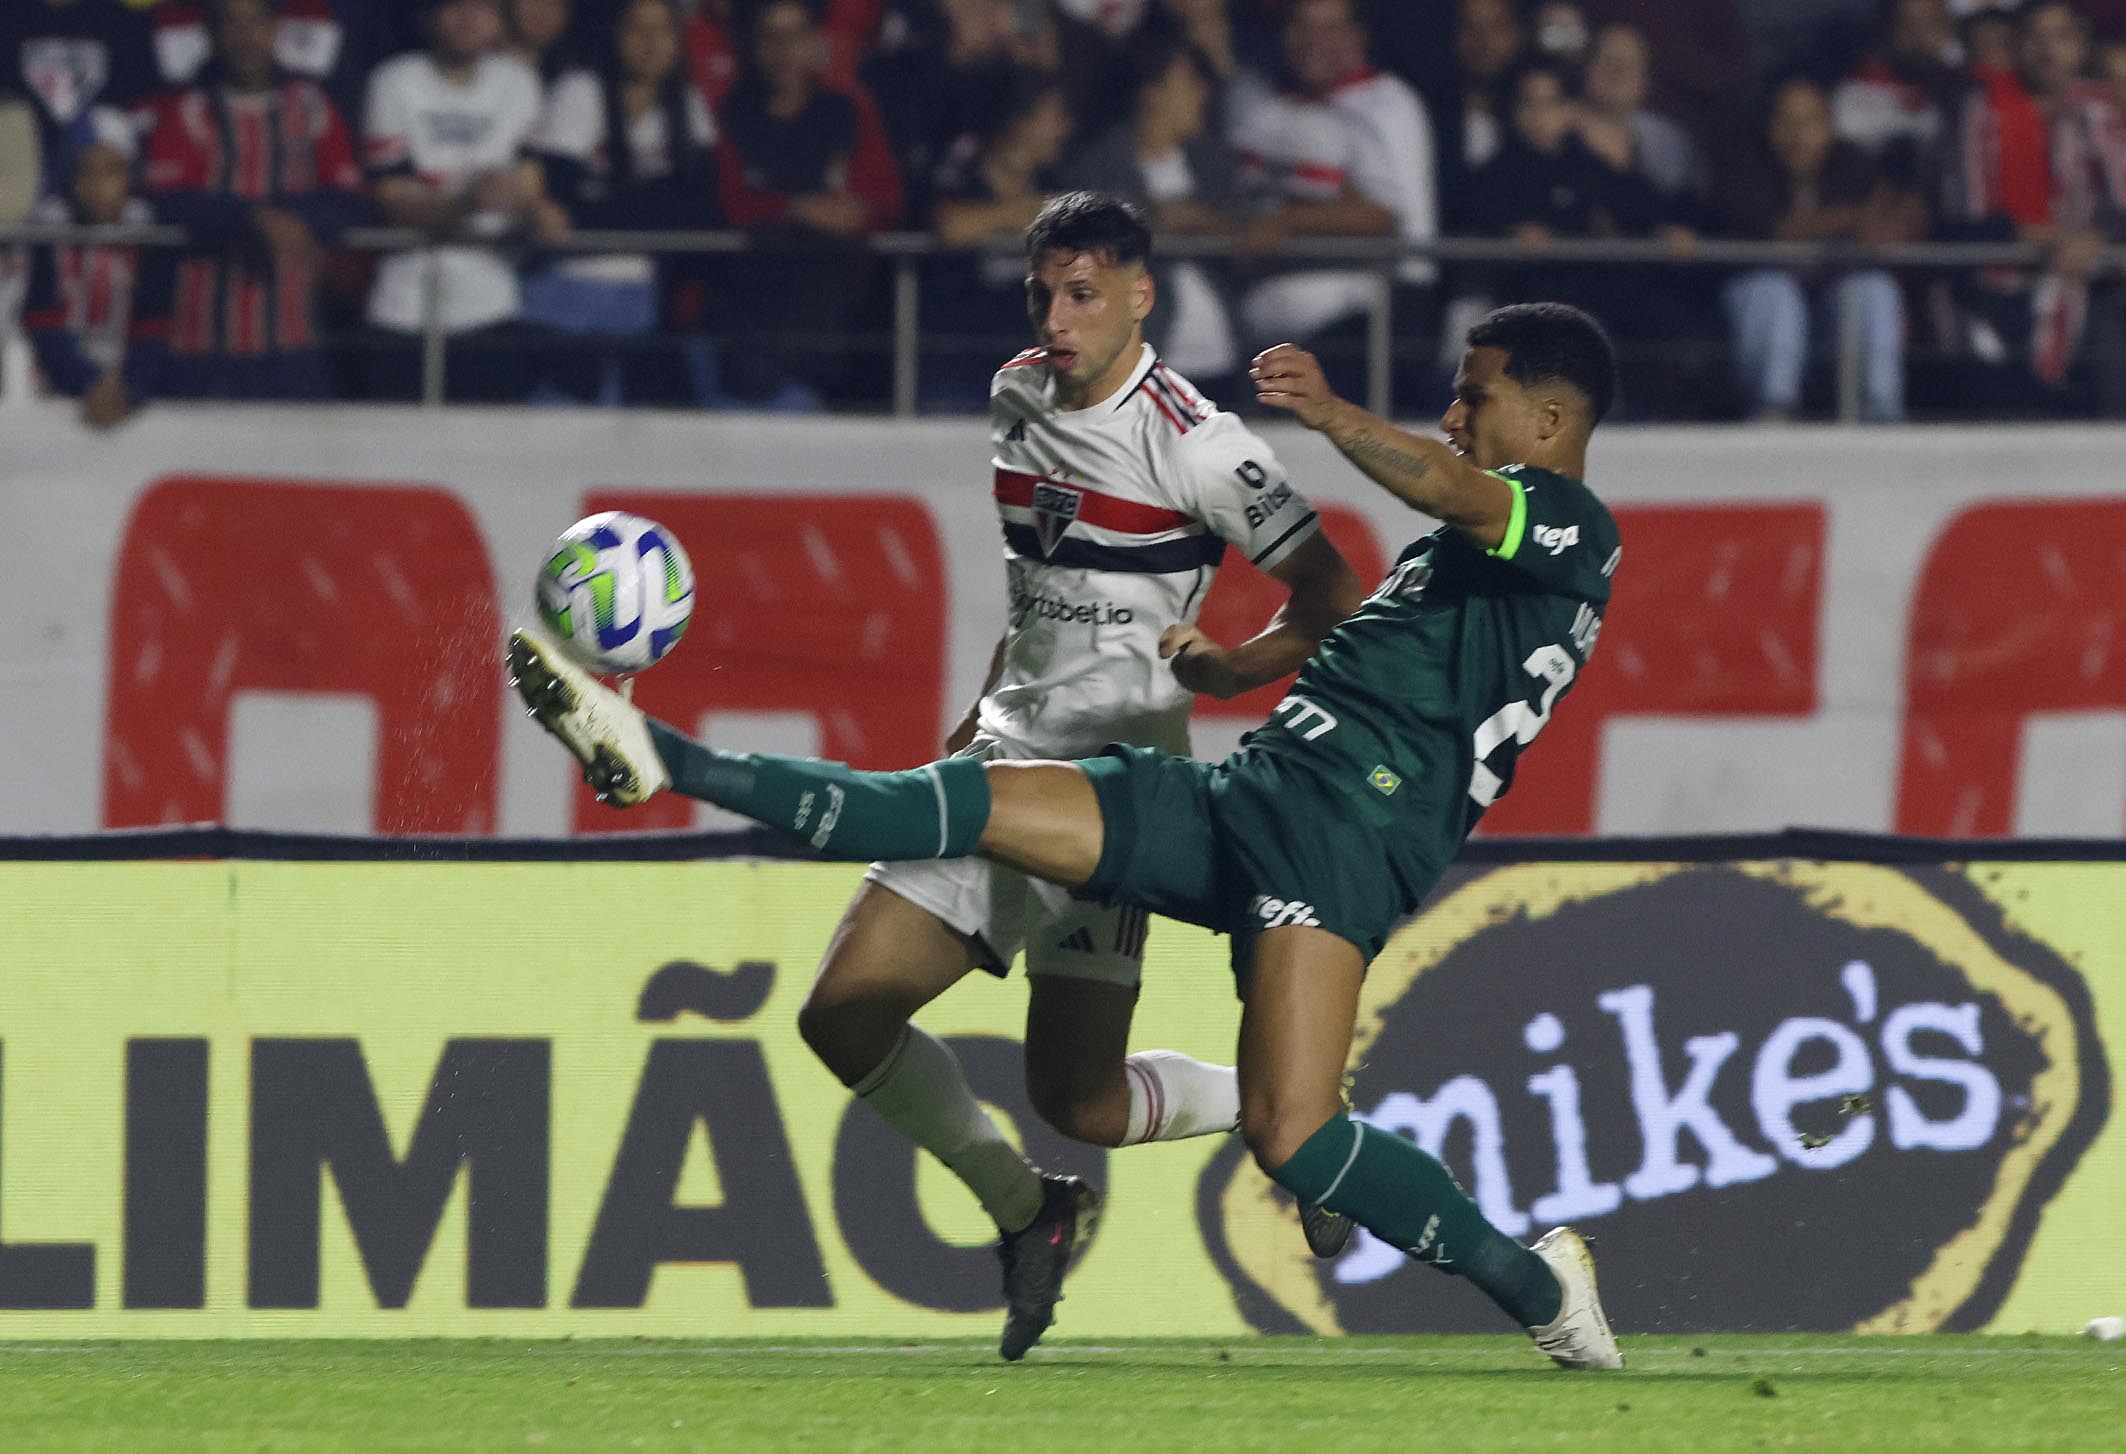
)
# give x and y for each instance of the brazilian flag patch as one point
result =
(1383, 781)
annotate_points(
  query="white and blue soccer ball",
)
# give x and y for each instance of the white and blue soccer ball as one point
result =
(616, 593)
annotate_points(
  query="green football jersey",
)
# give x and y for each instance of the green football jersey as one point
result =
(1416, 709)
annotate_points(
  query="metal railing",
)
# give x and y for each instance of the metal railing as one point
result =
(907, 250)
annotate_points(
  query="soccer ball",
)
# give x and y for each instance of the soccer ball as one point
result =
(617, 592)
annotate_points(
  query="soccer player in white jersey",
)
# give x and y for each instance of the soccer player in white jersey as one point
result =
(1120, 490)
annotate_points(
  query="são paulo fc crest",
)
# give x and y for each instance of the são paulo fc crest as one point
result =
(1054, 507)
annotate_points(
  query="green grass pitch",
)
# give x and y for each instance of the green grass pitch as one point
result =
(1195, 1397)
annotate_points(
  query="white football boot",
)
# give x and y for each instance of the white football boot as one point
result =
(1579, 1336)
(605, 731)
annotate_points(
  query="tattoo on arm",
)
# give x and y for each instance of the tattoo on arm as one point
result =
(1367, 452)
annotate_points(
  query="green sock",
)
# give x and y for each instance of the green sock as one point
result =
(937, 811)
(1409, 1199)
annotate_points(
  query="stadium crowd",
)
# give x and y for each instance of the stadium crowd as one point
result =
(268, 128)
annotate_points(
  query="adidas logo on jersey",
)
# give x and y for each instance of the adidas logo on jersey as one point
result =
(1017, 433)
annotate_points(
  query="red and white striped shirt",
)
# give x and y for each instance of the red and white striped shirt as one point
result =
(213, 156)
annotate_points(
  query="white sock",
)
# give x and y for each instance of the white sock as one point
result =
(1172, 1097)
(921, 1091)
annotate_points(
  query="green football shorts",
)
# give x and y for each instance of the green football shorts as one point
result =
(1251, 843)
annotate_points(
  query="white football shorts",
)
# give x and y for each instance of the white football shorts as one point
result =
(1006, 912)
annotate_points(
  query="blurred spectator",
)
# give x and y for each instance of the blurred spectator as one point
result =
(1545, 184)
(943, 84)
(1989, 41)
(19, 165)
(1207, 27)
(2042, 159)
(539, 36)
(332, 42)
(628, 144)
(320, 40)
(1899, 104)
(1701, 67)
(807, 165)
(1348, 153)
(1805, 37)
(67, 57)
(1802, 184)
(1560, 31)
(1613, 120)
(445, 137)
(846, 32)
(260, 169)
(2111, 69)
(1187, 177)
(988, 193)
(1488, 41)
(98, 316)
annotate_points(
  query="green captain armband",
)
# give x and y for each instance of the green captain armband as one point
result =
(1516, 523)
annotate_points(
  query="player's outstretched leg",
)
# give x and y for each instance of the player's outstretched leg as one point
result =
(1042, 818)
(1302, 998)
(605, 731)
(936, 811)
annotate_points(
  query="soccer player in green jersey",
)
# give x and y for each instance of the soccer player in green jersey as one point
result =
(1331, 822)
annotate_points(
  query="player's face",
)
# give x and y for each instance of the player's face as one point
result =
(1085, 311)
(1493, 420)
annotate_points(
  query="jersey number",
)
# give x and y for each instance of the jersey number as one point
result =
(1552, 665)
(1301, 711)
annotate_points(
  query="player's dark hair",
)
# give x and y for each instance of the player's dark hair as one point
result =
(1553, 342)
(1107, 227)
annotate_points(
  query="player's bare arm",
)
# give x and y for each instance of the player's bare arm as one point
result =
(1323, 589)
(1424, 473)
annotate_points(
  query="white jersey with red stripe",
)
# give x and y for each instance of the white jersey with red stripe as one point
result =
(1367, 135)
(1115, 519)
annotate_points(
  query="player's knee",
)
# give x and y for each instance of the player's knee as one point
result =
(1078, 1110)
(1273, 1134)
(849, 1035)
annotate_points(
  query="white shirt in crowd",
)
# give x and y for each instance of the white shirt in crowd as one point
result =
(1115, 519)
(1369, 135)
(421, 124)
(574, 126)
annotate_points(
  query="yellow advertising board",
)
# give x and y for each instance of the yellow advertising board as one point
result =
(253, 1098)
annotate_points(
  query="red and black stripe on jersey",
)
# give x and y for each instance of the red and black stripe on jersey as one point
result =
(290, 147)
(1111, 513)
(1182, 406)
